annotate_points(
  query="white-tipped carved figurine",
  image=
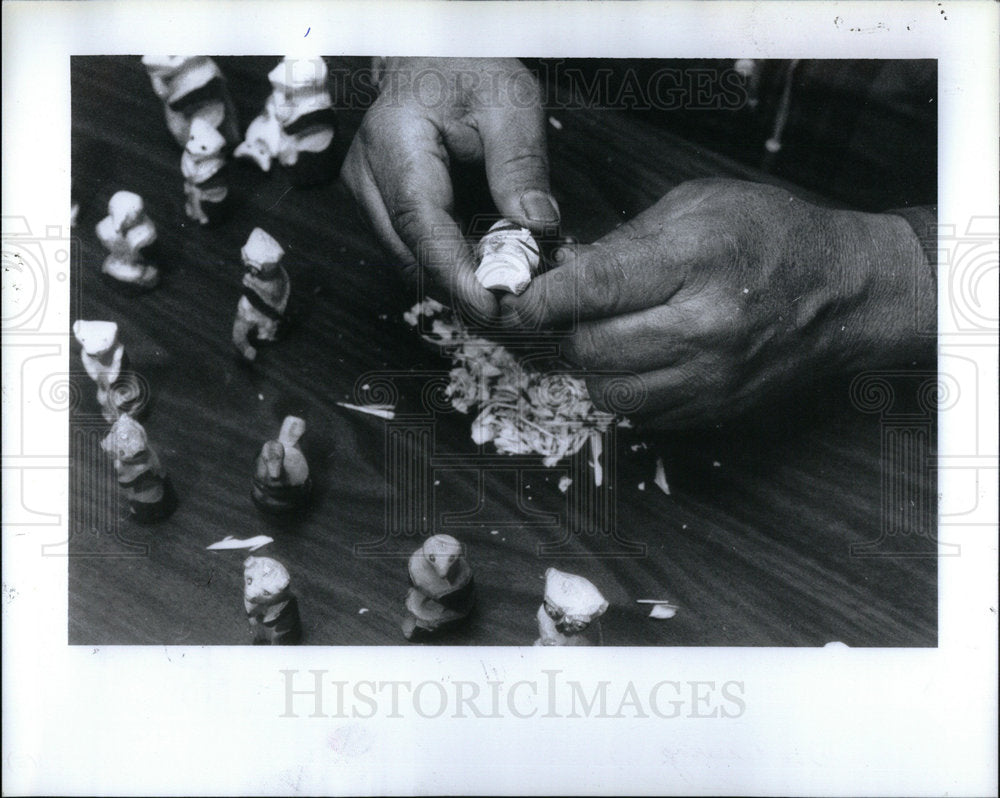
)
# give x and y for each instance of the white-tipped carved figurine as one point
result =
(192, 87)
(508, 258)
(203, 165)
(272, 610)
(297, 125)
(141, 478)
(569, 615)
(263, 140)
(442, 591)
(281, 480)
(119, 390)
(125, 232)
(266, 288)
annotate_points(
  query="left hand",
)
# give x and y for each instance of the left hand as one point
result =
(430, 112)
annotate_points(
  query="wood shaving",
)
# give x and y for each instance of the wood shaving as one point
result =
(660, 609)
(520, 410)
(596, 449)
(660, 480)
(229, 542)
(382, 411)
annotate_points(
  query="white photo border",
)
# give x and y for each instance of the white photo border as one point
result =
(175, 720)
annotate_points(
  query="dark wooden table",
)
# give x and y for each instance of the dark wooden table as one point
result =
(810, 522)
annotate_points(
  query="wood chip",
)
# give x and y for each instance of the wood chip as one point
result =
(660, 609)
(382, 411)
(229, 542)
(596, 449)
(660, 480)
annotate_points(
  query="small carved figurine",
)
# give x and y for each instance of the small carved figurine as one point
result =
(570, 612)
(145, 484)
(266, 288)
(297, 125)
(119, 389)
(263, 139)
(442, 590)
(203, 165)
(192, 87)
(125, 232)
(281, 480)
(508, 258)
(272, 610)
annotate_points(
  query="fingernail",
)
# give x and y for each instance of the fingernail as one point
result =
(539, 206)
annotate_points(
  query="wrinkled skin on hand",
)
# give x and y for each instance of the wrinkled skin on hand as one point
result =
(725, 293)
(430, 112)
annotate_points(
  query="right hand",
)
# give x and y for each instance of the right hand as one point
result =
(726, 293)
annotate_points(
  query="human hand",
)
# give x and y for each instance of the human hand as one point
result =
(725, 293)
(430, 111)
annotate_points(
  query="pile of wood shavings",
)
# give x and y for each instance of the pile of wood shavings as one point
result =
(520, 410)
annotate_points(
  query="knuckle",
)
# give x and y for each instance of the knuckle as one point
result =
(590, 347)
(406, 216)
(524, 167)
(603, 277)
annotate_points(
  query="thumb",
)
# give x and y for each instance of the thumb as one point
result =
(517, 166)
(609, 278)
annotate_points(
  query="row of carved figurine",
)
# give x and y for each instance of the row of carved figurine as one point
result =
(281, 479)
(508, 259)
(441, 594)
(280, 482)
(441, 597)
(296, 128)
(260, 313)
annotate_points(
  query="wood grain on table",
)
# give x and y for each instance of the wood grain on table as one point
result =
(753, 543)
